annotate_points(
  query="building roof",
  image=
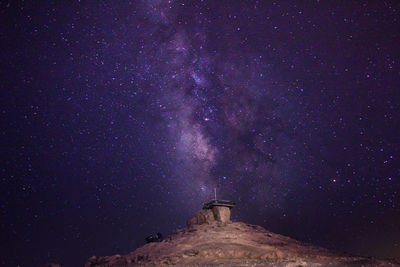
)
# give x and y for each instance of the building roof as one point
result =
(216, 202)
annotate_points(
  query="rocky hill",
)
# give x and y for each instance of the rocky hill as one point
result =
(212, 240)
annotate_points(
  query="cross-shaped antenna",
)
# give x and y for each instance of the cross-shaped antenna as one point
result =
(215, 193)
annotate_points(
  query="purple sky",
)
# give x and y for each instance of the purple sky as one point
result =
(119, 118)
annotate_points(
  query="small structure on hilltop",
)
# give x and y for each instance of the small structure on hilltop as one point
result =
(218, 203)
(213, 211)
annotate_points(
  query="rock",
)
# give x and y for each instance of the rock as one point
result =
(208, 216)
(211, 239)
(222, 214)
(235, 244)
(205, 217)
(192, 221)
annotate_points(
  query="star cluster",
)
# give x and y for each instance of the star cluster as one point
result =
(120, 118)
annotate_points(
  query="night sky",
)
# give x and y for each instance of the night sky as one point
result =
(119, 118)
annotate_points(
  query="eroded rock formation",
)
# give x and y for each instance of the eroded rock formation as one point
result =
(210, 240)
(208, 216)
(222, 214)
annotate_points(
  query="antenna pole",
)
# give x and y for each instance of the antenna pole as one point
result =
(215, 193)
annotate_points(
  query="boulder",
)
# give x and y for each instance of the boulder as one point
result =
(208, 216)
(205, 216)
(202, 217)
(222, 214)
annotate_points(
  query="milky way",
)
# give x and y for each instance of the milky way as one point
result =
(220, 109)
(120, 118)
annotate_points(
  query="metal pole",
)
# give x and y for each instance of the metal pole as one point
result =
(215, 193)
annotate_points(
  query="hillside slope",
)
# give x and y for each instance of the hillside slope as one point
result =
(232, 244)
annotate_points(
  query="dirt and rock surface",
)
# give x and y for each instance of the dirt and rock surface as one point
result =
(212, 240)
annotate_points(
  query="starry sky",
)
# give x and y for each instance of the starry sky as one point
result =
(119, 118)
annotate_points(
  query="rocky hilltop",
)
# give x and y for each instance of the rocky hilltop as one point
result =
(211, 239)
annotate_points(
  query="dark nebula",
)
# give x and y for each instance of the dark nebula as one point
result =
(119, 118)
